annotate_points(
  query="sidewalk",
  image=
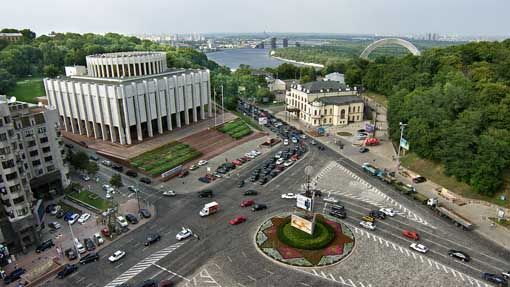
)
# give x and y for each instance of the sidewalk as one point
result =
(383, 156)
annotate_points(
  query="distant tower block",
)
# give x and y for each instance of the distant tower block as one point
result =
(285, 42)
(273, 43)
(298, 44)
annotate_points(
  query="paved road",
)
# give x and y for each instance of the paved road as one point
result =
(235, 261)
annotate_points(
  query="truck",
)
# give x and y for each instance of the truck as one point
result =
(371, 169)
(209, 208)
(444, 211)
(404, 188)
(386, 177)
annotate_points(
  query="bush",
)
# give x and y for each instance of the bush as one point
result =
(322, 236)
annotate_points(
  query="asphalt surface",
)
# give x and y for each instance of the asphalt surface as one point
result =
(231, 249)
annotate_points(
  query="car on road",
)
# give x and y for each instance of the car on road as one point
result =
(94, 157)
(330, 199)
(459, 255)
(116, 256)
(91, 257)
(151, 239)
(493, 278)
(83, 218)
(166, 283)
(240, 184)
(68, 270)
(338, 214)
(419, 179)
(250, 192)
(247, 202)
(377, 214)
(363, 150)
(193, 167)
(205, 193)
(419, 247)
(73, 218)
(258, 206)
(237, 220)
(367, 225)
(148, 283)
(85, 177)
(183, 173)
(506, 274)
(131, 173)
(202, 162)
(117, 167)
(131, 218)
(145, 180)
(368, 218)
(183, 234)
(168, 193)
(45, 245)
(411, 234)
(106, 163)
(145, 213)
(336, 207)
(388, 211)
(289, 195)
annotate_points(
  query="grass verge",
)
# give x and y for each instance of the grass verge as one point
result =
(248, 120)
(28, 89)
(236, 129)
(435, 172)
(91, 198)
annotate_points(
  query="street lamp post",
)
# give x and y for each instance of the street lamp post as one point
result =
(402, 127)
(74, 239)
(308, 173)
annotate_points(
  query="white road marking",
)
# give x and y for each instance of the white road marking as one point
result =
(157, 273)
(251, 278)
(171, 272)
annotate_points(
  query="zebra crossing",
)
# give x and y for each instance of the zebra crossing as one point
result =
(144, 264)
(400, 209)
(418, 257)
(339, 279)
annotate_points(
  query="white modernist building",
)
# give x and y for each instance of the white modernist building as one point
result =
(125, 97)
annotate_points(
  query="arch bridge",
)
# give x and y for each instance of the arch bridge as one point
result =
(390, 41)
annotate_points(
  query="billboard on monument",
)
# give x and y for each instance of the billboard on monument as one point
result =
(304, 202)
(302, 224)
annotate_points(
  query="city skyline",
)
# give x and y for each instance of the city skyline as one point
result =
(457, 17)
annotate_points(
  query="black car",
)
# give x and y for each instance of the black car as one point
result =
(91, 257)
(59, 214)
(337, 207)
(205, 193)
(254, 178)
(145, 180)
(338, 213)
(89, 244)
(131, 218)
(15, 275)
(45, 245)
(419, 179)
(145, 213)
(148, 283)
(70, 253)
(117, 167)
(263, 180)
(273, 173)
(258, 206)
(250, 192)
(94, 158)
(152, 238)
(49, 208)
(131, 173)
(459, 255)
(363, 149)
(68, 269)
(495, 279)
(241, 183)
(377, 214)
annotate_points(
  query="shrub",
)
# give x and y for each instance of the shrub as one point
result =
(322, 236)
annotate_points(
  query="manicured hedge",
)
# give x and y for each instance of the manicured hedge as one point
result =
(236, 129)
(322, 236)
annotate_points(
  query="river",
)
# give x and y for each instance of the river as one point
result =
(255, 58)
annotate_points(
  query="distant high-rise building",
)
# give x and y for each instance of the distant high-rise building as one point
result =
(298, 44)
(285, 42)
(273, 43)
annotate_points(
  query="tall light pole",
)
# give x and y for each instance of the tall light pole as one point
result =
(308, 173)
(74, 240)
(222, 106)
(402, 127)
(215, 108)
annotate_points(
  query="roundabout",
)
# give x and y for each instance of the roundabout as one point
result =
(331, 241)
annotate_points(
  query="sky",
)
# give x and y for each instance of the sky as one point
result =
(382, 17)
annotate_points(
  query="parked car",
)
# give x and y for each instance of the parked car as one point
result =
(54, 225)
(44, 245)
(145, 180)
(106, 162)
(117, 167)
(148, 283)
(145, 213)
(91, 257)
(247, 202)
(89, 244)
(289, 195)
(285, 142)
(94, 157)
(363, 150)
(419, 247)
(14, 275)
(98, 239)
(250, 192)
(459, 255)
(79, 247)
(105, 231)
(411, 234)
(237, 220)
(168, 193)
(202, 162)
(152, 238)
(73, 218)
(131, 218)
(166, 283)
(506, 274)
(367, 225)
(83, 218)
(59, 214)
(258, 206)
(68, 270)
(85, 177)
(131, 173)
(121, 221)
(419, 179)
(183, 173)
(116, 256)
(50, 207)
(183, 234)
(493, 278)
(56, 209)
(193, 167)
(205, 193)
(70, 253)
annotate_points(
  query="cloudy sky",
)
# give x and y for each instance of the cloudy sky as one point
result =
(463, 17)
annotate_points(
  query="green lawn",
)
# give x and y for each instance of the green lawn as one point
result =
(322, 236)
(434, 172)
(164, 158)
(28, 89)
(91, 198)
(66, 207)
(236, 129)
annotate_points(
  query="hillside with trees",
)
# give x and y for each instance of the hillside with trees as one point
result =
(456, 102)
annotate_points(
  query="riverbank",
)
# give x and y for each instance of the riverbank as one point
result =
(318, 66)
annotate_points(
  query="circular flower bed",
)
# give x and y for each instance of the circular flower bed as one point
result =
(322, 236)
(331, 242)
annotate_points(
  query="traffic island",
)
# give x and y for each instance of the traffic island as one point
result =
(330, 242)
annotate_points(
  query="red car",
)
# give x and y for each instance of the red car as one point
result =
(166, 283)
(105, 232)
(411, 234)
(242, 159)
(294, 157)
(239, 219)
(247, 202)
(237, 162)
(183, 173)
(245, 158)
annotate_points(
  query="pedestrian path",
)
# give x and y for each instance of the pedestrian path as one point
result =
(144, 264)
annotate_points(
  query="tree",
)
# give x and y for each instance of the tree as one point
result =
(263, 95)
(79, 160)
(116, 180)
(51, 71)
(92, 168)
(7, 81)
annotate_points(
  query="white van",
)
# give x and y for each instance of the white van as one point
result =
(122, 221)
(79, 246)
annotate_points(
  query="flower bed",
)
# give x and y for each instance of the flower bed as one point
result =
(236, 129)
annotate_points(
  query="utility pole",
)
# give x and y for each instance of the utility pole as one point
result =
(138, 199)
(215, 108)
(402, 127)
(74, 240)
(222, 106)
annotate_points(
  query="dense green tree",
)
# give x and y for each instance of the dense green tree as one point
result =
(92, 168)
(7, 81)
(79, 160)
(116, 180)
